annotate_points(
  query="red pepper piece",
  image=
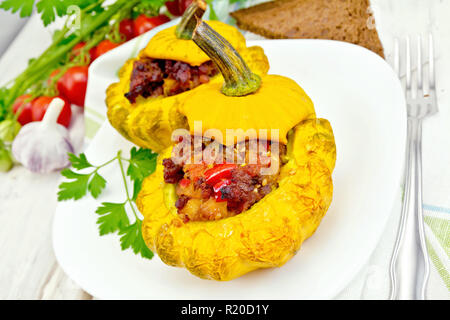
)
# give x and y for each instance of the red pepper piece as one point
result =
(219, 172)
(217, 189)
(184, 183)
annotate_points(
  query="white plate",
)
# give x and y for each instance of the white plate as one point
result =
(360, 95)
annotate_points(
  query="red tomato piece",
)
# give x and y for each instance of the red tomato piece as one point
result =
(72, 85)
(126, 28)
(184, 183)
(24, 102)
(40, 106)
(144, 23)
(219, 172)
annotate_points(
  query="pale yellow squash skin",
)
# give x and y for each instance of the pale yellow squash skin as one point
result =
(147, 122)
(267, 235)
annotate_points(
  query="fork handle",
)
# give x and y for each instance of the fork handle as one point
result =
(409, 265)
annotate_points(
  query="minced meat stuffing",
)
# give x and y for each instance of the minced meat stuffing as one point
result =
(156, 77)
(199, 200)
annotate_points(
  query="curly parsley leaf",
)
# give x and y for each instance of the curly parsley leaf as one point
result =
(75, 189)
(137, 185)
(79, 162)
(50, 9)
(96, 185)
(113, 217)
(24, 7)
(142, 163)
(132, 238)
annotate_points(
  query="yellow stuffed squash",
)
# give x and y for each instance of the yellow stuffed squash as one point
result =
(142, 105)
(222, 220)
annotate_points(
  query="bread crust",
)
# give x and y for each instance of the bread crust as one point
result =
(350, 21)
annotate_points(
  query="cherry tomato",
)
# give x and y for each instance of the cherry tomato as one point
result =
(72, 85)
(25, 115)
(178, 7)
(173, 7)
(40, 105)
(126, 28)
(76, 50)
(52, 75)
(144, 23)
(103, 47)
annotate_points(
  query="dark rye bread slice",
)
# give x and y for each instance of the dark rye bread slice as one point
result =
(344, 20)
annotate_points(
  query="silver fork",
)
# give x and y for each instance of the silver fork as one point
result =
(409, 267)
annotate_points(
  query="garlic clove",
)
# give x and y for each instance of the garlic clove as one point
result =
(43, 146)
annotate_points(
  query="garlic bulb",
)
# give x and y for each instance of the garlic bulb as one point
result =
(43, 146)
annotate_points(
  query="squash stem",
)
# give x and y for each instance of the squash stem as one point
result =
(188, 22)
(239, 79)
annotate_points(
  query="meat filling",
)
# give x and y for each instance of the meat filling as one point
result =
(216, 191)
(158, 77)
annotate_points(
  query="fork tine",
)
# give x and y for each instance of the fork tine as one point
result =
(419, 64)
(431, 63)
(408, 64)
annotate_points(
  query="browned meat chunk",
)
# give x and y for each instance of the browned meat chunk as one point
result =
(172, 172)
(149, 77)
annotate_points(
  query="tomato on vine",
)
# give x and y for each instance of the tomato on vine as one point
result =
(126, 28)
(103, 47)
(72, 85)
(79, 46)
(40, 106)
(178, 7)
(24, 103)
(144, 23)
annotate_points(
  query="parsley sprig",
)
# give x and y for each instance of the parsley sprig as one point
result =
(113, 216)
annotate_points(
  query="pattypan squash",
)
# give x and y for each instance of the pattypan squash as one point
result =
(146, 120)
(273, 229)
